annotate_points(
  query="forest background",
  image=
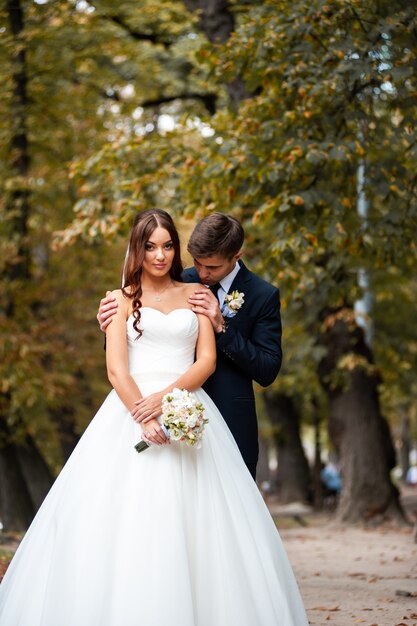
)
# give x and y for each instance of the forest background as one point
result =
(296, 117)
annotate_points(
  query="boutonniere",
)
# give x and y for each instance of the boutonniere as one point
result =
(233, 302)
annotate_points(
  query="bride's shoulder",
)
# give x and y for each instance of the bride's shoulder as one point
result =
(119, 294)
(122, 298)
(191, 287)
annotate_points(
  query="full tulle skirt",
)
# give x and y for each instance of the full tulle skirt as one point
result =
(173, 536)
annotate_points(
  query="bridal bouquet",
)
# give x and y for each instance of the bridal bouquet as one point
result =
(182, 418)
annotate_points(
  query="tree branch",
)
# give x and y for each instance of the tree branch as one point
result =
(18, 200)
(357, 16)
(134, 34)
(208, 99)
(138, 36)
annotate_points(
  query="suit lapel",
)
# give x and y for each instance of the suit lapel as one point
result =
(241, 279)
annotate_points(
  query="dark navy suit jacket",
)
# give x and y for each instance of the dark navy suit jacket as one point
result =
(249, 350)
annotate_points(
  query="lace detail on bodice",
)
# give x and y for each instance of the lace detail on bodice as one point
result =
(167, 344)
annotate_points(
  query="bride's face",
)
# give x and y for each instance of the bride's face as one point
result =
(159, 253)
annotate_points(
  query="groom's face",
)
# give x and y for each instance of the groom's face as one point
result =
(213, 269)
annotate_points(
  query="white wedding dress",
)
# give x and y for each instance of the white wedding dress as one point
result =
(173, 536)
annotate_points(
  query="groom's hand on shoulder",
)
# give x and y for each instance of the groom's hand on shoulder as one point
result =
(108, 308)
(203, 301)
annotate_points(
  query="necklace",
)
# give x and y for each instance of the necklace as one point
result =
(158, 295)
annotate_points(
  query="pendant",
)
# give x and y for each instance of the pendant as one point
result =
(157, 298)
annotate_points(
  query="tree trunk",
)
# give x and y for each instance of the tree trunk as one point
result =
(263, 473)
(24, 475)
(358, 430)
(293, 470)
(67, 433)
(17, 207)
(218, 22)
(35, 471)
(16, 509)
(317, 482)
(25, 479)
(405, 445)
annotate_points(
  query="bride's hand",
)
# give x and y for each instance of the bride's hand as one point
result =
(153, 433)
(148, 408)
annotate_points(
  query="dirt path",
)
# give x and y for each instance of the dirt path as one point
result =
(352, 576)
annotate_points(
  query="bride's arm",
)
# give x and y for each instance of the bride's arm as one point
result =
(205, 362)
(150, 407)
(117, 365)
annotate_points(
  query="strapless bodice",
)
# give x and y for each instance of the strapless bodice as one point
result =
(167, 343)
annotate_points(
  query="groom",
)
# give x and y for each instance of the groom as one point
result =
(245, 313)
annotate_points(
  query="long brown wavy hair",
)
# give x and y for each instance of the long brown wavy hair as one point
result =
(143, 227)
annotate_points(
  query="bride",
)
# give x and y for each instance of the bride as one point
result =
(175, 535)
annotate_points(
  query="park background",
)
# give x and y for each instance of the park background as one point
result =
(296, 117)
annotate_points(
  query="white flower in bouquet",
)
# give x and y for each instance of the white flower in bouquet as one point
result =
(182, 418)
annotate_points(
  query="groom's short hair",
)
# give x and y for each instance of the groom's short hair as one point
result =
(216, 234)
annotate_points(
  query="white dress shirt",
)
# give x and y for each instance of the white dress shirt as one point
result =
(226, 283)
